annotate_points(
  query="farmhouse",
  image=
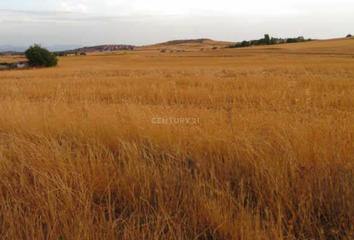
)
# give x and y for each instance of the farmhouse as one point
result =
(21, 65)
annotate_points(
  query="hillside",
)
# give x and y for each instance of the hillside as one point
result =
(11, 53)
(103, 48)
(187, 45)
(177, 42)
(340, 46)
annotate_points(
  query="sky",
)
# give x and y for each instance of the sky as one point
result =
(142, 22)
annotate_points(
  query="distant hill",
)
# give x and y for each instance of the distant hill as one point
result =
(103, 48)
(58, 48)
(187, 45)
(176, 42)
(10, 48)
(11, 53)
(339, 46)
(52, 48)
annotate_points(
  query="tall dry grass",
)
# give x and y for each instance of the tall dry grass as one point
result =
(270, 158)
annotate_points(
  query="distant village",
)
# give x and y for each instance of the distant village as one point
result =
(103, 48)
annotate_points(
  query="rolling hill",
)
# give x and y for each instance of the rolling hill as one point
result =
(340, 46)
(187, 45)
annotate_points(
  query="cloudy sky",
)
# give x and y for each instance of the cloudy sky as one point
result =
(140, 22)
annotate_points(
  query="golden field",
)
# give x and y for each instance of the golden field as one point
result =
(82, 155)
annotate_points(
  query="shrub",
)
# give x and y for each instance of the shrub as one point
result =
(40, 57)
(60, 54)
(254, 42)
(214, 48)
(349, 35)
(245, 44)
(235, 46)
(83, 54)
(291, 40)
(273, 41)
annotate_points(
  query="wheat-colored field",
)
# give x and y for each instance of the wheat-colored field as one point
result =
(100, 148)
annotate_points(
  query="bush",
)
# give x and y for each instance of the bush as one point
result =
(349, 35)
(273, 41)
(40, 57)
(83, 54)
(245, 44)
(291, 40)
(60, 54)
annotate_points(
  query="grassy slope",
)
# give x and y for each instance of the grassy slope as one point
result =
(194, 45)
(270, 158)
(333, 46)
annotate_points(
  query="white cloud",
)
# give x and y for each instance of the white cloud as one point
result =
(150, 21)
(234, 8)
(189, 7)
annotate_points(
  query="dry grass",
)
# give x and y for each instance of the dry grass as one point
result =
(270, 158)
(206, 45)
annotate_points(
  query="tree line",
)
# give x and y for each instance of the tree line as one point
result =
(267, 40)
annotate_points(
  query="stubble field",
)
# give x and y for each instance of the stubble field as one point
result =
(86, 153)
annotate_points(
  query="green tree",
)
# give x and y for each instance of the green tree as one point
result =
(291, 40)
(273, 41)
(60, 54)
(267, 39)
(40, 57)
(349, 35)
(245, 44)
